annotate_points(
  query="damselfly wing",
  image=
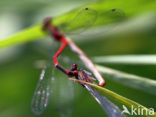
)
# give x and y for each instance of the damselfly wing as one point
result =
(65, 96)
(88, 17)
(43, 90)
(62, 89)
(111, 109)
(83, 19)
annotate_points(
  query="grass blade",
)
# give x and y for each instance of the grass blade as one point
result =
(141, 83)
(111, 109)
(127, 59)
(26, 35)
(35, 32)
(122, 100)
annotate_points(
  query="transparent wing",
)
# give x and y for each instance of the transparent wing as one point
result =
(66, 98)
(43, 90)
(85, 18)
(113, 15)
(65, 92)
(111, 109)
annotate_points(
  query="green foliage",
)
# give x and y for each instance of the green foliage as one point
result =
(123, 100)
(104, 17)
(137, 36)
(145, 84)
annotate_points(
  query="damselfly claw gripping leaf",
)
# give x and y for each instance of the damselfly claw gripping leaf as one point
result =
(43, 91)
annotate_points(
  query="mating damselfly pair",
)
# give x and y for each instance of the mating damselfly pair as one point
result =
(85, 19)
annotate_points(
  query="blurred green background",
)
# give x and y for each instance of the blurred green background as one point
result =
(19, 73)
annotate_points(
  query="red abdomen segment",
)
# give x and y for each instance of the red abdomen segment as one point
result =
(102, 84)
(64, 44)
(57, 35)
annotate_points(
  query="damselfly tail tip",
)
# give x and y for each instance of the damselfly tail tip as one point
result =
(102, 84)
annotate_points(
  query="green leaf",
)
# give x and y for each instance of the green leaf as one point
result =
(26, 35)
(131, 8)
(122, 100)
(127, 59)
(138, 82)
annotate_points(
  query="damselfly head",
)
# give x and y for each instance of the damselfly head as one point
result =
(46, 22)
(73, 67)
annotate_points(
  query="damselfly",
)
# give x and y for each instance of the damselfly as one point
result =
(43, 91)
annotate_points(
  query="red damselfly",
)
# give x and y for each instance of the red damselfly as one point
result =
(43, 91)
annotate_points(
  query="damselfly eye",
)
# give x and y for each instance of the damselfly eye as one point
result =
(73, 67)
(80, 21)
